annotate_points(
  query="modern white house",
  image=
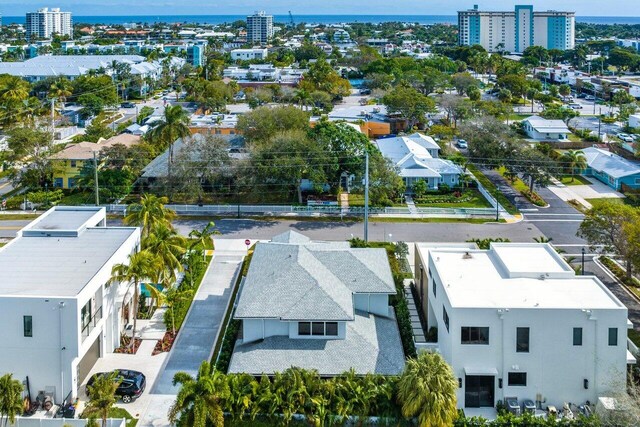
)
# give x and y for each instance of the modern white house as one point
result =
(416, 157)
(515, 321)
(249, 54)
(542, 129)
(317, 305)
(59, 313)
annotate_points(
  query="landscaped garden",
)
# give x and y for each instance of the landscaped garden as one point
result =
(455, 198)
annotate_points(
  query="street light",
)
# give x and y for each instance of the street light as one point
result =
(582, 270)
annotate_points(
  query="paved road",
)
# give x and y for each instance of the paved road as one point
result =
(200, 330)
(5, 186)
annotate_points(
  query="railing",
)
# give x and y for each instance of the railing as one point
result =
(61, 422)
(633, 349)
(90, 323)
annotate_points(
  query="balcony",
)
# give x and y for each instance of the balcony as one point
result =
(89, 323)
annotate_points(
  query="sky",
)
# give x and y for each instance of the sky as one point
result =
(311, 7)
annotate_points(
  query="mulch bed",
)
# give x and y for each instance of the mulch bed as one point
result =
(125, 349)
(165, 343)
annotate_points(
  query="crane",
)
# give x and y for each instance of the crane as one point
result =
(291, 22)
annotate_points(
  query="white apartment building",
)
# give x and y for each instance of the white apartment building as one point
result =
(259, 27)
(515, 321)
(46, 22)
(517, 30)
(59, 313)
(249, 54)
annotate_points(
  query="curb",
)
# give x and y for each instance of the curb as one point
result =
(612, 276)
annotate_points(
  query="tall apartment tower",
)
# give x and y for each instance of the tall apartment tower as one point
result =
(517, 30)
(46, 22)
(259, 27)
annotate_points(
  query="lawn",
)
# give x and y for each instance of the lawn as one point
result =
(470, 198)
(17, 217)
(357, 200)
(574, 180)
(518, 117)
(488, 185)
(602, 200)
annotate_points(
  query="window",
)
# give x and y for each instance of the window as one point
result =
(522, 340)
(332, 329)
(577, 336)
(613, 336)
(27, 322)
(73, 163)
(475, 335)
(304, 328)
(445, 317)
(434, 286)
(317, 328)
(517, 379)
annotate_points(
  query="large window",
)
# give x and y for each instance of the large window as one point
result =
(27, 323)
(445, 317)
(475, 335)
(318, 329)
(517, 379)
(522, 340)
(613, 336)
(577, 336)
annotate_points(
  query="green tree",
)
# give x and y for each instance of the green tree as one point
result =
(573, 160)
(11, 404)
(61, 89)
(419, 188)
(463, 82)
(102, 397)
(564, 90)
(204, 237)
(149, 213)
(427, 390)
(264, 123)
(140, 267)
(168, 246)
(200, 401)
(33, 145)
(410, 104)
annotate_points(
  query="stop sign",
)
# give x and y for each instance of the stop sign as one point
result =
(247, 242)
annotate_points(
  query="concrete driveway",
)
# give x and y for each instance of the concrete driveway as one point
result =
(597, 190)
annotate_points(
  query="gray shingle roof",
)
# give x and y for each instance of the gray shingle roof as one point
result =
(312, 281)
(610, 163)
(372, 345)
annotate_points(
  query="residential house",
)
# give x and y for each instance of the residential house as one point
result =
(372, 119)
(416, 157)
(634, 120)
(214, 124)
(249, 54)
(59, 311)
(542, 129)
(515, 321)
(317, 305)
(68, 163)
(613, 170)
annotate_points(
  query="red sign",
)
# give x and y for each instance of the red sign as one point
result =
(247, 242)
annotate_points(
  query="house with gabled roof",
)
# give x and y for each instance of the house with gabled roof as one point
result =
(317, 305)
(612, 169)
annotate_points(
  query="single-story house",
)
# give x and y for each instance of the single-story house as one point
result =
(634, 121)
(416, 157)
(317, 305)
(542, 129)
(611, 169)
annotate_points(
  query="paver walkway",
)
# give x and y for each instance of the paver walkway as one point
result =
(200, 330)
(416, 325)
(410, 204)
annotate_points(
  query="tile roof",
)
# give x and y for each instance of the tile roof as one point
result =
(84, 150)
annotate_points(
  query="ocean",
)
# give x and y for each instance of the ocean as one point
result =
(312, 19)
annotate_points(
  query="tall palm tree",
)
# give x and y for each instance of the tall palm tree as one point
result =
(102, 396)
(303, 97)
(14, 89)
(141, 267)
(149, 213)
(174, 296)
(168, 246)
(175, 125)
(61, 89)
(11, 404)
(574, 160)
(203, 237)
(427, 389)
(200, 401)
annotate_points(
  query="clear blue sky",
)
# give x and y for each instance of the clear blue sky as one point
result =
(310, 7)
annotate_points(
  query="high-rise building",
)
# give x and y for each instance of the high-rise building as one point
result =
(517, 30)
(259, 27)
(46, 22)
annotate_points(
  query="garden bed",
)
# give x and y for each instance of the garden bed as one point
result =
(632, 284)
(124, 346)
(165, 344)
(523, 188)
(468, 198)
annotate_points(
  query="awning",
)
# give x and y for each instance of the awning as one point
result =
(480, 371)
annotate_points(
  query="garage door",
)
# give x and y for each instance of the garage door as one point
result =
(89, 360)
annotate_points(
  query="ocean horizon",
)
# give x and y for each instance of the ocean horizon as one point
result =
(309, 19)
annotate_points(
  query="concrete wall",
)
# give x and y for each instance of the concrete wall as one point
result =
(372, 303)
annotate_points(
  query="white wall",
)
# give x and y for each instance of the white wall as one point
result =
(372, 303)
(293, 332)
(256, 329)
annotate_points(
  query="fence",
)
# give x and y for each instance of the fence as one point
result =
(59, 422)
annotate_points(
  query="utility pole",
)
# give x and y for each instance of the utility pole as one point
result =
(95, 177)
(53, 117)
(366, 197)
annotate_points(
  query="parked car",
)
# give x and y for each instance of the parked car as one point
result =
(365, 91)
(590, 98)
(127, 105)
(575, 106)
(131, 383)
(462, 144)
(625, 137)
(582, 95)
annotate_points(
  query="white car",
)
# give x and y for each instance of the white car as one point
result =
(462, 144)
(625, 137)
(575, 106)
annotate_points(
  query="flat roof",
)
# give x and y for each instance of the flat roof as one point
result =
(372, 345)
(530, 259)
(481, 279)
(58, 266)
(63, 219)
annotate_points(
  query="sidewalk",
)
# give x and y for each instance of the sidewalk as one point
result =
(565, 193)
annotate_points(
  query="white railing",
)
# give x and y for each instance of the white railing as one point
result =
(632, 348)
(60, 422)
(427, 346)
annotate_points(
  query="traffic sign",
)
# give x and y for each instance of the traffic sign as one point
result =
(247, 242)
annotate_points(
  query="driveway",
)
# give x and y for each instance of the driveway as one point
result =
(597, 190)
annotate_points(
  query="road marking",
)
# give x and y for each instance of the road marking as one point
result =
(6, 227)
(554, 214)
(553, 220)
(529, 210)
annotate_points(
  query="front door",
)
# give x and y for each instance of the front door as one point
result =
(479, 391)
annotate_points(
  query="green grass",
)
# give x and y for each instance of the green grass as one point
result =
(17, 217)
(357, 200)
(574, 180)
(476, 200)
(519, 117)
(488, 185)
(602, 200)
(77, 199)
(523, 188)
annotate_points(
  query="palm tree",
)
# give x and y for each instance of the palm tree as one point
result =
(427, 389)
(141, 266)
(200, 401)
(242, 389)
(574, 160)
(542, 239)
(11, 403)
(168, 246)
(61, 89)
(303, 97)
(149, 213)
(14, 89)
(174, 296)
(102, 396)
(174, 125)
(203, 237)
